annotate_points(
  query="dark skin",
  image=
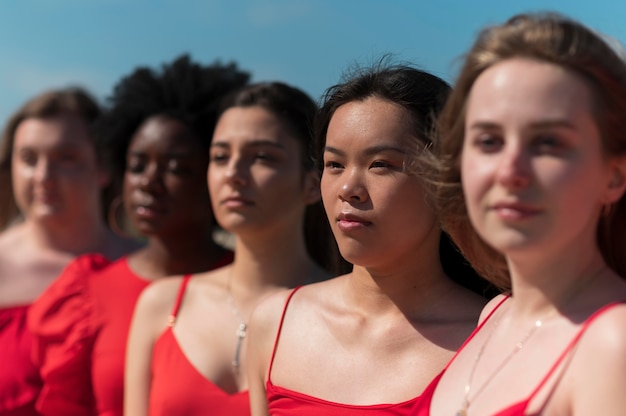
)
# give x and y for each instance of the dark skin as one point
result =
(167, 200)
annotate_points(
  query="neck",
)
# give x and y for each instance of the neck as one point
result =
(263, 263)
(76, 237)
(175, 256)
(414, 285)
(544, 281)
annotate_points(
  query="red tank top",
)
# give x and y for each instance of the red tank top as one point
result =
(519, 408)
(178, 388)
(282, 401)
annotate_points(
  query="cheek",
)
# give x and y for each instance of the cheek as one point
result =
(476, 177)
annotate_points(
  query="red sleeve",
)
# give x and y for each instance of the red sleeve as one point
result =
(61, 323)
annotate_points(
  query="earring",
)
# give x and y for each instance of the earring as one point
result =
(607, 210)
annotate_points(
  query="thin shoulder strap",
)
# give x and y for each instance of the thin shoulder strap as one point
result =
(571, 345)
(280, 327)
(179, 300)
(475, 331)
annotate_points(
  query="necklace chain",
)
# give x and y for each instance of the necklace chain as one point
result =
(241, 329)
(518, 347)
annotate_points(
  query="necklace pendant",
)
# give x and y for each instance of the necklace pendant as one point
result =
(461, 412)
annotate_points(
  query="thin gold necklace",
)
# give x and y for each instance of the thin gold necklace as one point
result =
(518, 347)
(243, 326)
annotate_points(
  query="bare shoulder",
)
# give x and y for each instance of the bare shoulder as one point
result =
(490, 307)
(158, 298)
(607, 332)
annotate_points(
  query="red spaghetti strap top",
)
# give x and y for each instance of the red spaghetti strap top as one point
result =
(423, 409)
(285, 402)
(280, 327)
(179, 300)
(519, 408)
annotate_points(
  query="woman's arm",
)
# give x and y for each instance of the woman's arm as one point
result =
(149, 320)
(262, 332)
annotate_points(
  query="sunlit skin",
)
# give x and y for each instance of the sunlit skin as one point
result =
(255, 175)
(535, 177)
(369, 196)
(54, 168)
(165, 181)
(259, 192)
(532, 166)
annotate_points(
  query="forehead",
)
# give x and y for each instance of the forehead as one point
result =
(528, 89)
(59, 132)
(244, 126)
(163, 134)
(373, 120)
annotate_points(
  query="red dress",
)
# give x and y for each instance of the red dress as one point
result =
(519, 408)
(283, 402)
(81, 326)
(178, 388)
(19, 378)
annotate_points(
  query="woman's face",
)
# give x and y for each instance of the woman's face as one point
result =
(255, 176)
(376, 208)
(165, 180)
(54, 169)
(532, 166)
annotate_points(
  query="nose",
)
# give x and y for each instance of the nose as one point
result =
(44, 170)
(236, 172)
(151, 179)
(514, 169)
(353, 188)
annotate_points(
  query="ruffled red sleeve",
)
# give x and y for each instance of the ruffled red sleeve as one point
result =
(61, 322)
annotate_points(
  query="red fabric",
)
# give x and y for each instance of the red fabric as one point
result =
(19, 378)
(519, 408)
(283, 402)
(81, 326)
(179, 389)
(191, 393)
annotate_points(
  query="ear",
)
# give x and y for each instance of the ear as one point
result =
(311, 187)
(617, 183)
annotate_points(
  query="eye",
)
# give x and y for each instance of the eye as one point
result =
(548, 144)
(264, 156)
(380, 164)
(68, 158)
(488, 143)
(177, 166)
(218, 157)
(331, 165)
(29, 158)
(135, 165)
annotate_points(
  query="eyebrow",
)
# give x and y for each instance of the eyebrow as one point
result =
(369, 151)
(543, 124)
(252, 143)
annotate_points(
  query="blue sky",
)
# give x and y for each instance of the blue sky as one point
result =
(307, 43)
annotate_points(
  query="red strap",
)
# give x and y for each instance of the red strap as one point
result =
(571, 345)
(179, 299)
(280, 326)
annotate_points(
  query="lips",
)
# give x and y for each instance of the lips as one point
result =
(350, 222)
(514, 210)
(236, 202)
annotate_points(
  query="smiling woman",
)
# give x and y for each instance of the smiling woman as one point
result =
(156, 136)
